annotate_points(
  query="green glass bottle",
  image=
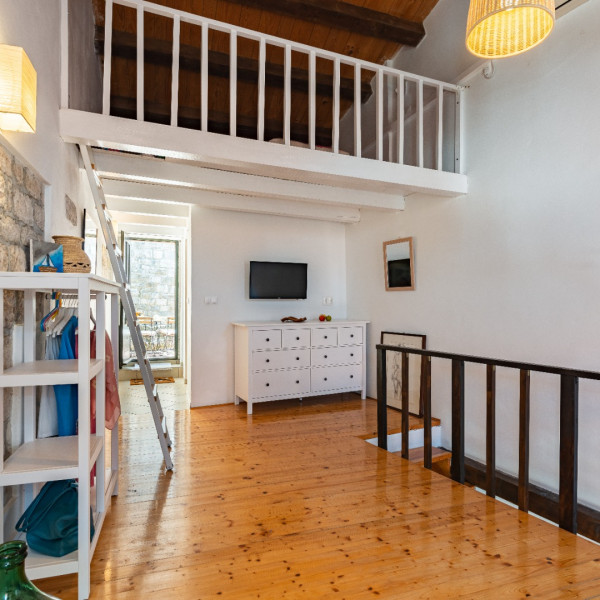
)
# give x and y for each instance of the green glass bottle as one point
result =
(14, 584)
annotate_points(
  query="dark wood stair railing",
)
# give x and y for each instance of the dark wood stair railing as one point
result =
(562, 508)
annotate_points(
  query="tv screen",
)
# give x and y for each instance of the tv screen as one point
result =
(277, 280)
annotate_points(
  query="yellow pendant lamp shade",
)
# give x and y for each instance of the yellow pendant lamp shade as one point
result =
(18, 83)
(501, 28)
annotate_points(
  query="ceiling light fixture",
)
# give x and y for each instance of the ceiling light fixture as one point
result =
(18, 83)
(501, 28)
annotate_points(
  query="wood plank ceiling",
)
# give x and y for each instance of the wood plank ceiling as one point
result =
(372, 30)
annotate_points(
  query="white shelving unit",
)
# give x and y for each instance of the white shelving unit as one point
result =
(37, 461)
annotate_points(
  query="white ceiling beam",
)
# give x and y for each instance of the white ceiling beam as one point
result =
(146, 219)
(178, 233)
(256, 158)
(147, 207)
(285, 208)
(238, 203)
(120, 192)
(113, 166)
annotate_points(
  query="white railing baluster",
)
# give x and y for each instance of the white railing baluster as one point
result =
(262, 55)
(175, 72)
(140, 62)
(420, 123)
(335, 126)
(233, 83)
(400, 120)
(108, 19)
(312, 100)
(287, 95)
(379, 115)
(357, 110)
(458, 132)
(204, 79)
(440, 128)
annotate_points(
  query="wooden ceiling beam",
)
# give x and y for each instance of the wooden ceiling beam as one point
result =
(218, 122)
(346, 16)
(159, 52)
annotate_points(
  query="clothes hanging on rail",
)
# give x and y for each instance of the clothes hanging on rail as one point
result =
(47, 417)
(66, 395)
(112, 403)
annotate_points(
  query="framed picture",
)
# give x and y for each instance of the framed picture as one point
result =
(394, 370)
(399, 265)
(45, 257)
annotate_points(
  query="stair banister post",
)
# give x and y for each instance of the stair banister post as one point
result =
(426, 403)
(405, 406)
(490, 438)
(569, 405)
(381, 398)
(457, 468)
(524, 412)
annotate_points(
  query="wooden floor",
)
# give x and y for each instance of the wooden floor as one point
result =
(291, 503)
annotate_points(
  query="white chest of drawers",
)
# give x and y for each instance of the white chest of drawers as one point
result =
(274, 361)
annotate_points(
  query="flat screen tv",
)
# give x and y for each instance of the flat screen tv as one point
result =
(277, 280)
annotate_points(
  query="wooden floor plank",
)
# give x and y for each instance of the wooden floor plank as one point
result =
(293, 503)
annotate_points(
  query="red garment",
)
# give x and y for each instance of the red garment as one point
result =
(112, 403)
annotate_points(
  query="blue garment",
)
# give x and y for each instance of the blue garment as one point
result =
(66, 395)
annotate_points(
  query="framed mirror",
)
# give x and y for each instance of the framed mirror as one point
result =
(398, 262)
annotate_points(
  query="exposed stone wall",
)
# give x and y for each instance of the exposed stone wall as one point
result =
(21, 220)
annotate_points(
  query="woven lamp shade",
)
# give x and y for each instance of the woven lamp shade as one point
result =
(501, 28)
(18, 83)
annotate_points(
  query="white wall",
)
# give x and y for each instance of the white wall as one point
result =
(35, 26)
(223, 245)
(511, 270)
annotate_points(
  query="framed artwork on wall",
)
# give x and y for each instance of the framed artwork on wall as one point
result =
(394, 370)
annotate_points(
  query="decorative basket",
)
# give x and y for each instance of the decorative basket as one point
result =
(75, 260)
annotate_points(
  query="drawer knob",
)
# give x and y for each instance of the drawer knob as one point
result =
(297, 338)
(351, 376)
(268, 384)
(268, 360)
(325, 356)
(324, 378)
(268, 340)
(297, 358)
(351, 353)
(351, 335)
(325, 337)
(297, 381)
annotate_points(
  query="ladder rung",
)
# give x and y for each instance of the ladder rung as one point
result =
(117, 250)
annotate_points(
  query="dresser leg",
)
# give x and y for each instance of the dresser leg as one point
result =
(236, 400)
(249, 408)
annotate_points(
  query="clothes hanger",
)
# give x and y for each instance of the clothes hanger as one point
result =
(51, 316)
(59, 326)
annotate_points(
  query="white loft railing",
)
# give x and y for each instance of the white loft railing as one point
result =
(434, 140)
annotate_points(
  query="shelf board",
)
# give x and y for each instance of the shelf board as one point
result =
(40, 566)
(46, 282)
(47, 459)
(46, 372)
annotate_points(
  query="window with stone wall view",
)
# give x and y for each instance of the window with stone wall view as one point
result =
(152, 267)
